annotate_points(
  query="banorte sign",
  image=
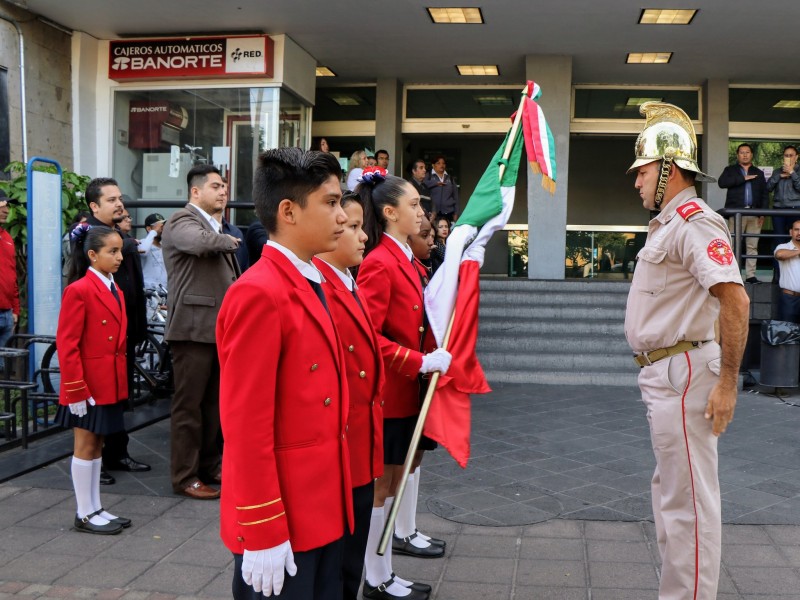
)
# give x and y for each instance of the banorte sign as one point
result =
(197, 57)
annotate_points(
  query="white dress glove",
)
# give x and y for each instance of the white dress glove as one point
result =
(79, 408)
(264, 569)
(438, 360)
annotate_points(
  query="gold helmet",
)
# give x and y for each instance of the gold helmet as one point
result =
(668, 134)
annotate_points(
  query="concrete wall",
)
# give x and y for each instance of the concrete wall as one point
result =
(48, 86)
(715, 138)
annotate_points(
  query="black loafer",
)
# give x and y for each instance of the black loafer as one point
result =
(433, 540)
(118, 520)
(84, 525)
(106, 478)
(380, 592)
(404, 546)
(127, 464)
(420, 587)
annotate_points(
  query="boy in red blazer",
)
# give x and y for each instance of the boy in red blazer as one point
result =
(364, 369)
(286, 493)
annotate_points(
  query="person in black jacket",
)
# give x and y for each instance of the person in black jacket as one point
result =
(105, 201)
(747, 188)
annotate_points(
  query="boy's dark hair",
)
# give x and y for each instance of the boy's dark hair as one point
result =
(94, 190)
(94, 239)
(374, 198)
(197, 176)
(289, 173)
(381, 151)
(744, 145)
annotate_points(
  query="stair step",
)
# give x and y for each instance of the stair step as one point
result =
(562, 311)
(562, 378)
(571, 286)
(553, 298)
(492, 326)
(577, 344)
(562, 361)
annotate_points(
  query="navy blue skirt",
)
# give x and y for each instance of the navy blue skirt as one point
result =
(99, 419)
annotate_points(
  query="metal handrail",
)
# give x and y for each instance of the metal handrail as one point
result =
(738, 236)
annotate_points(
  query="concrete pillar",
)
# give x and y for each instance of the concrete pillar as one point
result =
(715, 138)
(86, 131)
(547, 215)
(388, 119)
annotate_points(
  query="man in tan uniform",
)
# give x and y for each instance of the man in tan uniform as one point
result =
(686, 279)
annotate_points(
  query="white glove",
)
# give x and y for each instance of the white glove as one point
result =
(264, 569)
(79, 408)
(438, 360)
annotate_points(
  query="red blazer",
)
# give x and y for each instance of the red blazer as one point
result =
(392, 291)
(283, 409)
(364, 368)
(90, 342)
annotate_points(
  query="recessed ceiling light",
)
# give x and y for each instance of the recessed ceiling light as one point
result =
(641, 58)
(345, 99)
(325, 72)
(493, 100)
(639, 101)
(787, 104)
(477, 70)
(667, 16)
(470, 16)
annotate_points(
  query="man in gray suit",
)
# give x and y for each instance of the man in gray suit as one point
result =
(201, 266)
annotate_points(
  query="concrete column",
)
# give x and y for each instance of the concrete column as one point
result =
(547, 215)
(388, 118)
(715, 138)
(84, 102)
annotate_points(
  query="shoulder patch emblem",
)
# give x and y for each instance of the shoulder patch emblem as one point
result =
(720, 252)
(688, 209)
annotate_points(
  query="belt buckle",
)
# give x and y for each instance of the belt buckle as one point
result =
(646, 357)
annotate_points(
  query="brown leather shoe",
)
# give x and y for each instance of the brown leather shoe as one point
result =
(199, 491)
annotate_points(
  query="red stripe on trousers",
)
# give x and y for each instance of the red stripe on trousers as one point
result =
(691, 478)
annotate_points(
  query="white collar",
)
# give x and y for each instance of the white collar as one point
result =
(346, 276)
(106, 280)
(307, 270)
(404, 247)
(215, 225)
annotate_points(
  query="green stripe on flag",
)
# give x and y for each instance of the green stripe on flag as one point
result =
(486, 201)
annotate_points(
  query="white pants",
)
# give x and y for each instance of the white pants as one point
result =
(685, 485)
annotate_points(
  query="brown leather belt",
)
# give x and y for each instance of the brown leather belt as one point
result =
(790, 292)
(644, 359)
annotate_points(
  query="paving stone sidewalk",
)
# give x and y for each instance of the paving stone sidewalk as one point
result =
(532, 445)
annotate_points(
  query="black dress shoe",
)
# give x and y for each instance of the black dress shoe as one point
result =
(404, 546)
(380, 592)
(118, 520)
(106, 478)
(420, 587)
(84, 525)
(433, 540)
(126, 464)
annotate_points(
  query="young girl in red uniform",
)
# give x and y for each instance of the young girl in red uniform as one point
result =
(364, 368)
(390, 286)
(91, 353)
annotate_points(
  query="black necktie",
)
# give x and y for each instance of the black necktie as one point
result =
(320, 294)
(358, 300)
(116, 294)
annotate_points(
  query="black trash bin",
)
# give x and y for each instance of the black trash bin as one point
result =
(780, 354)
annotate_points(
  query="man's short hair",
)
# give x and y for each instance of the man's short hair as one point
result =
(381, 151)
(745, 145)
(289, 173)
(94, 191)
(197, 176)
(795, 222)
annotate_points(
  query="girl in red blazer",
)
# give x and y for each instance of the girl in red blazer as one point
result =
(390, 286)
(91, 353)
(364, 368)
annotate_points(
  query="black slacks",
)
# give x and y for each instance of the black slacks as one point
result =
(355, 544)
(319, 576)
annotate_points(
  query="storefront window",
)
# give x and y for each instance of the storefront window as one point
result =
(161, 134)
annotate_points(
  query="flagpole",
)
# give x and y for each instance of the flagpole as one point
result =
(388, 529)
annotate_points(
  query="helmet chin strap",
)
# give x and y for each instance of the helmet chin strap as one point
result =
(663, 177)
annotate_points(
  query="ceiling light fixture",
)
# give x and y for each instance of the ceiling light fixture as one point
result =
(493, 100)
(456, 16)
(639, 101)
(787, 104)
(477, 70)
(650, 58)
(667, 16)
(345, 99)
(325, 72)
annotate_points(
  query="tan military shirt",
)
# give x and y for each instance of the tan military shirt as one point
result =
(688, 250)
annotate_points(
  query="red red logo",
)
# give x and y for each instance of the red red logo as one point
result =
(720, 252)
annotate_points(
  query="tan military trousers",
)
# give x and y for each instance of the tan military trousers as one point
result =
(685, 486)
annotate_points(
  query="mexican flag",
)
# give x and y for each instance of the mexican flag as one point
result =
(455, 287)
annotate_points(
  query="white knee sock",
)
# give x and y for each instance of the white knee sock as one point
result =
(97, 466)
(82, 481)
(404, 525)
(377, 567)
(399, 582)
(417, 473)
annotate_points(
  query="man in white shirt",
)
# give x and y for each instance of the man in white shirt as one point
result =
(789, 255)
(153, 269)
